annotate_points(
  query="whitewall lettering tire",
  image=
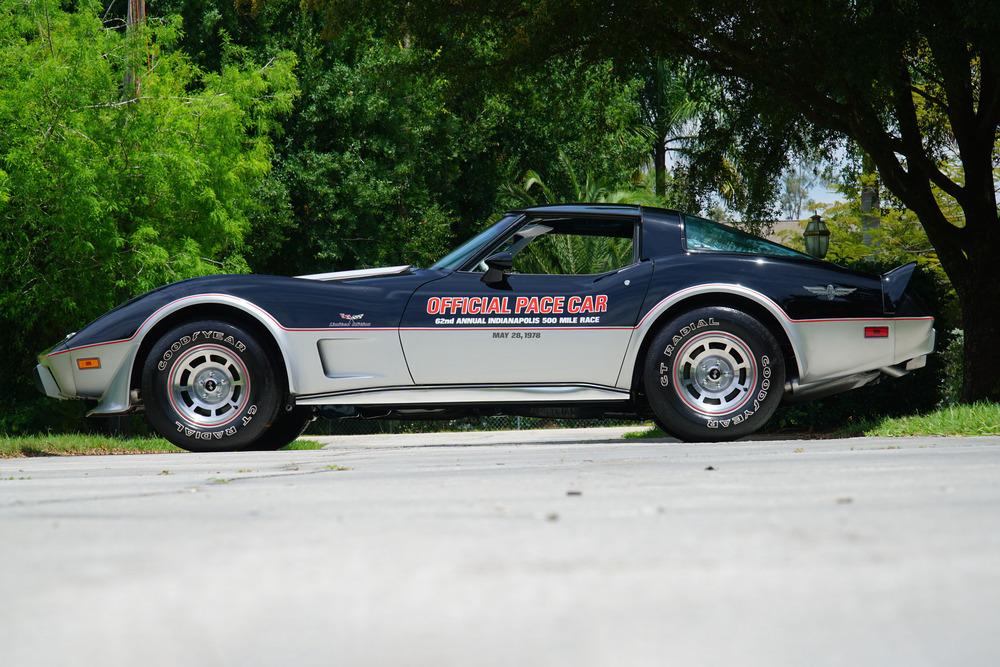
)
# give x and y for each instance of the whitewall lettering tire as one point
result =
(210, 386)
(713, 374)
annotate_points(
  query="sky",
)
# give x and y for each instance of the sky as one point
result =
(821, 194)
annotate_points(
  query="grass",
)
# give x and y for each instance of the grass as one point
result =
(960, 420)
(71, 444)
(79, 443)
(975, 419)
(651, 432)
(305, 444)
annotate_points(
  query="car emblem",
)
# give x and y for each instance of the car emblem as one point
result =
(351, 318)
(830, 292)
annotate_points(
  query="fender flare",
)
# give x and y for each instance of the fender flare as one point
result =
(117, 398)
(646, 324)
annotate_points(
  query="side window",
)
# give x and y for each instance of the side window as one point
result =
(701, 234)
(572, 246)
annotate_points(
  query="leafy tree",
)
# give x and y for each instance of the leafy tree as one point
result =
(668, 109)
(105, 194)
(395, 140)
(534, 190)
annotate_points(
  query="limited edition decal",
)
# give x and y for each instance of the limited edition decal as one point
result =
(517, 310)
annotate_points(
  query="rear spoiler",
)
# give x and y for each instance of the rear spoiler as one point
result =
(894, 284)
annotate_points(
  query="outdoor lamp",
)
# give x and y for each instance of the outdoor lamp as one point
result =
(817, 236)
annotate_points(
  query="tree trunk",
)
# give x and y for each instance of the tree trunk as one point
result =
(135, 15)
(660, 166)
(969, 258)
(980, 302)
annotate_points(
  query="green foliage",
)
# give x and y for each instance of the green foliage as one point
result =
(364, 165)
(566, 254)
(398, 149)
(565, 113)
(898, 237)
(109, 190)
(953, 361)
(568, 186)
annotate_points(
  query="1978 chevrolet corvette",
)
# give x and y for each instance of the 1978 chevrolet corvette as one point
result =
(575, 310)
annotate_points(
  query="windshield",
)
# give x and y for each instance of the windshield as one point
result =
(463, 253)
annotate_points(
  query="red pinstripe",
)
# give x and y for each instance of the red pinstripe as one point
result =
(678, 294)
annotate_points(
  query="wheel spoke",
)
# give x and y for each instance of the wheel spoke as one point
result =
(717, 373)
(209, 386)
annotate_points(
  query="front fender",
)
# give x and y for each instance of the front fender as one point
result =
(111, 384)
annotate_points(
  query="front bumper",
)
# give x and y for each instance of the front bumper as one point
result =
(46, 383)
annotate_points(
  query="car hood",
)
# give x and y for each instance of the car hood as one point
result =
(357, 273)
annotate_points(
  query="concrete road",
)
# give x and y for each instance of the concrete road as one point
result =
(407, 551)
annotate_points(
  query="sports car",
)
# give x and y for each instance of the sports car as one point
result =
(564, 311)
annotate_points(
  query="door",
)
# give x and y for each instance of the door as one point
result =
(564, 314)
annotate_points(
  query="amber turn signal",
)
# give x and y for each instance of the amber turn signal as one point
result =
(89, 362)
(876, 332)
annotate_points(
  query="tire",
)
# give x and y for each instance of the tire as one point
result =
(713, 374)
(209, 386)
(288, 426)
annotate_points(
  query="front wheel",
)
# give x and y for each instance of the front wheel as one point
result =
(210, 386)
(288, 426)
(713, 374)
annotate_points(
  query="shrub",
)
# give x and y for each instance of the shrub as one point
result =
(953, 368)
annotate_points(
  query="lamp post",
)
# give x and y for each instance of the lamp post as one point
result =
(817, 237)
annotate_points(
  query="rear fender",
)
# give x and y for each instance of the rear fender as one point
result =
(647, 324)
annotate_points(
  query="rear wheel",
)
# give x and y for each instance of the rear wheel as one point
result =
(713, 374)
(210, 386)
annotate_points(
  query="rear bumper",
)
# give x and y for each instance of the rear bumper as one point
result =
(830, 349)
(905, 351)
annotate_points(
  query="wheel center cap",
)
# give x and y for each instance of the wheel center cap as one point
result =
(714, 374)
(211, 386)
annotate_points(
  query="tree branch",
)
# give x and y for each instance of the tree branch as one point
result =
(933, 99)
(911, 142)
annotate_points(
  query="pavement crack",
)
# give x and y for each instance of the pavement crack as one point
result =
(213, 483)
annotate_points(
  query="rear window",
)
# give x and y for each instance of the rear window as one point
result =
(707, 236)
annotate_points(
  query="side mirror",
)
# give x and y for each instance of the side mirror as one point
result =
(498, 266)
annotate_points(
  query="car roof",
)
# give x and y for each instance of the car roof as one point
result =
(588, 209)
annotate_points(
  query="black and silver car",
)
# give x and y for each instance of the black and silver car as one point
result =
(575, 310)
